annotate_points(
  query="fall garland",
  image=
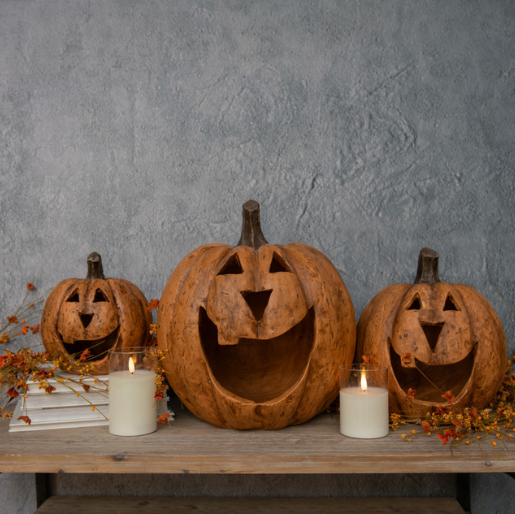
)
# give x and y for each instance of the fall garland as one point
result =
(496, 423)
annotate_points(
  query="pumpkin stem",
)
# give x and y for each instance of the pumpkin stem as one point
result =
(95, 269)
(251, 234)
(427, 272)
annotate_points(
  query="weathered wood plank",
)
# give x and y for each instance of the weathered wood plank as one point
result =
(83, 505)
(192, 446)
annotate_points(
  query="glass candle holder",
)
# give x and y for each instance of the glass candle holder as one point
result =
(132, 389)
(364, 401)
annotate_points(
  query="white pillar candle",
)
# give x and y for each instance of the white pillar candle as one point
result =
(132, 406)
(364, 413)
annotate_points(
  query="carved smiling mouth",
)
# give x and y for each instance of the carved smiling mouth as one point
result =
(259, 369)
(431, 381)
(97, 347)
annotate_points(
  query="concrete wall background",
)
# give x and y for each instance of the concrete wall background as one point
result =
(365, 129)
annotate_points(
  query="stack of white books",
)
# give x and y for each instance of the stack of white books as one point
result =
(68, 406)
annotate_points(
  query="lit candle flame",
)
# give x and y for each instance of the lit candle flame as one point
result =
(131, 365)
(363, 380)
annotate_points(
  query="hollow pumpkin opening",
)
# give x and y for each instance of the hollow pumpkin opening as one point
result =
(431, 381)
(259, 369)
(98, 349)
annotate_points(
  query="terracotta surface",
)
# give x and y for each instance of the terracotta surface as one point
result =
(254, 335)
(434, 337)
(94, 314)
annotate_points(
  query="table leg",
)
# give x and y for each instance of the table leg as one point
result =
(463, 490)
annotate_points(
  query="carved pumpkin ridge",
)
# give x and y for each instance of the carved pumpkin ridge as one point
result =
(438, 337)
(94, 314)
(243, 327)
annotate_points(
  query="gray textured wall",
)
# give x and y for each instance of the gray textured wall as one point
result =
(365, 129)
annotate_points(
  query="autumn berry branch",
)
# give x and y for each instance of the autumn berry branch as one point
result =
(496, 423)
(20, 323)
(159, 355)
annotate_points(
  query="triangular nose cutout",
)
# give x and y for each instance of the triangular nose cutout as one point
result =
(432, 333)
(86, 319)
(257, 302)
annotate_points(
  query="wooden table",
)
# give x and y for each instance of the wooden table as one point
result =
(189, 445)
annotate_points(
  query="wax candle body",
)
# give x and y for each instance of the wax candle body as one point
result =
(132, 407)
(364, 414)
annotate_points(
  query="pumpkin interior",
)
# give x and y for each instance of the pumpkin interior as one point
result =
(259, 369)
(430, 381)
(98, 349)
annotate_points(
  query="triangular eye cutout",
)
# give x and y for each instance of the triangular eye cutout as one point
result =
(74, 297)
(232, 266)
(100, 296)
(415, 304)
(278, 265)
(449, 304)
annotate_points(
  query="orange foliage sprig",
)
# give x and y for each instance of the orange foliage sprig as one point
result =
(18, 370)
(23, 320)
(158, 353)
(495, 423)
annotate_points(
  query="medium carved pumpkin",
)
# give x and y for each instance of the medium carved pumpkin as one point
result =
(94, 314)
(434, 337)
(254, 334)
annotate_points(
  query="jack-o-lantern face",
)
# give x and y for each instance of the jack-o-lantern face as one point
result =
(432, 325)
(264, 335)
(254, 334)
(94, 314)
(261, 293)
(434, 337)
(88, 315)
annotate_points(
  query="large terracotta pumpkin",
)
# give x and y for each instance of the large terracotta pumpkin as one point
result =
(254, 334)
(434, 337)
(94, 314)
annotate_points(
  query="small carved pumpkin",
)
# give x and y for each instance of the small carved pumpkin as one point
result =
(434, 337)
(254, 334)
(94, 314)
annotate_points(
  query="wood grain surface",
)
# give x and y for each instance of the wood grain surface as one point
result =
(189, 445)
